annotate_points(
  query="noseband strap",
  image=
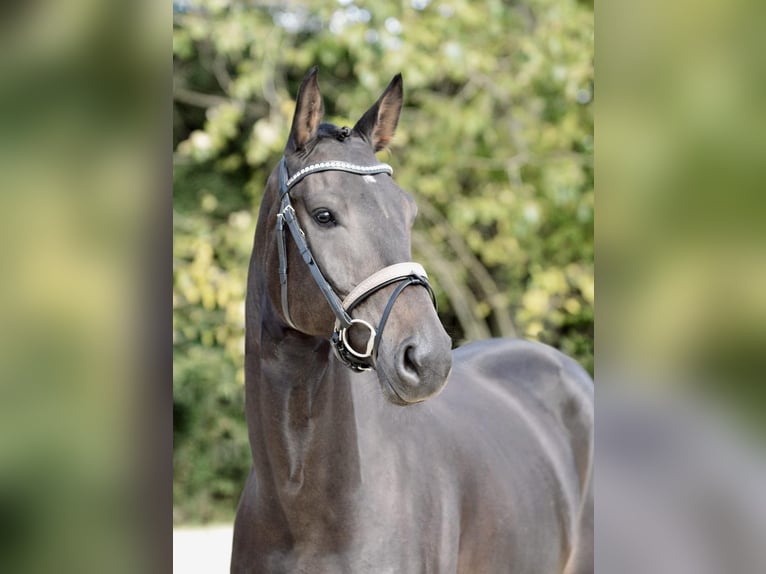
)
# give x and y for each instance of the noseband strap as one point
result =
(381, 278)
(405, 274)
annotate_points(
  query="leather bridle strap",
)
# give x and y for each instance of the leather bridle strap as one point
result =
(333, 166)
(405, 274)
(381, 278)
(287, 215)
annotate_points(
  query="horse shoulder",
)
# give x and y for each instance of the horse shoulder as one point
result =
(554, 391)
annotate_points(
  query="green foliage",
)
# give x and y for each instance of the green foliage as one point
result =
(495, 143)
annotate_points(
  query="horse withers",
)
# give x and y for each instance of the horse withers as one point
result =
(377, 449)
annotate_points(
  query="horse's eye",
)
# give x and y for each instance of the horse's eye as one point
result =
(323, 217)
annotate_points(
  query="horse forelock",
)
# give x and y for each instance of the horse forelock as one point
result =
(332, 142)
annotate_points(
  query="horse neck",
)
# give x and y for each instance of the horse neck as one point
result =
(299, 408)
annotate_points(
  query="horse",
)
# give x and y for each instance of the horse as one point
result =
(375, 447)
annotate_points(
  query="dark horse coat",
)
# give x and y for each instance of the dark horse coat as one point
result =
(473, 461)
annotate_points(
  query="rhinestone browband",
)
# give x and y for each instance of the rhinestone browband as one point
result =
(338, 166)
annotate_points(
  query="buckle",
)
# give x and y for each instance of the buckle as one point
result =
(349, 356)
(367, 354)
(287, 213)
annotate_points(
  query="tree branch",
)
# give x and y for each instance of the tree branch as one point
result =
(492, 294)
(197, 99)
(462, 300)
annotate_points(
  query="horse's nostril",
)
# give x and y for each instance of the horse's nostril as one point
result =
(410, 365)
(420, 369)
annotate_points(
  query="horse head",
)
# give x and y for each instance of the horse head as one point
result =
(340, 265)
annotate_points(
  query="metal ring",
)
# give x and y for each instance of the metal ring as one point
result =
(370, 341)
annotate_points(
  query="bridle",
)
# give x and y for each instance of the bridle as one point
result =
(403, 274)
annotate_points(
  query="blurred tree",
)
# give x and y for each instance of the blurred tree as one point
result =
(495, 142)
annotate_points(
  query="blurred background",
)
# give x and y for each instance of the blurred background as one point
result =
(495, 143)
(681, 330)
(85, 242)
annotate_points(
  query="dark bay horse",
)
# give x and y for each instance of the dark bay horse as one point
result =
(354, 471)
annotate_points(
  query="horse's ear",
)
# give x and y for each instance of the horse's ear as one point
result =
(378, 124)
(309, 110)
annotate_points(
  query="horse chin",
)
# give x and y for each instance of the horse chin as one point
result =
(392, 395)
(396, 395)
